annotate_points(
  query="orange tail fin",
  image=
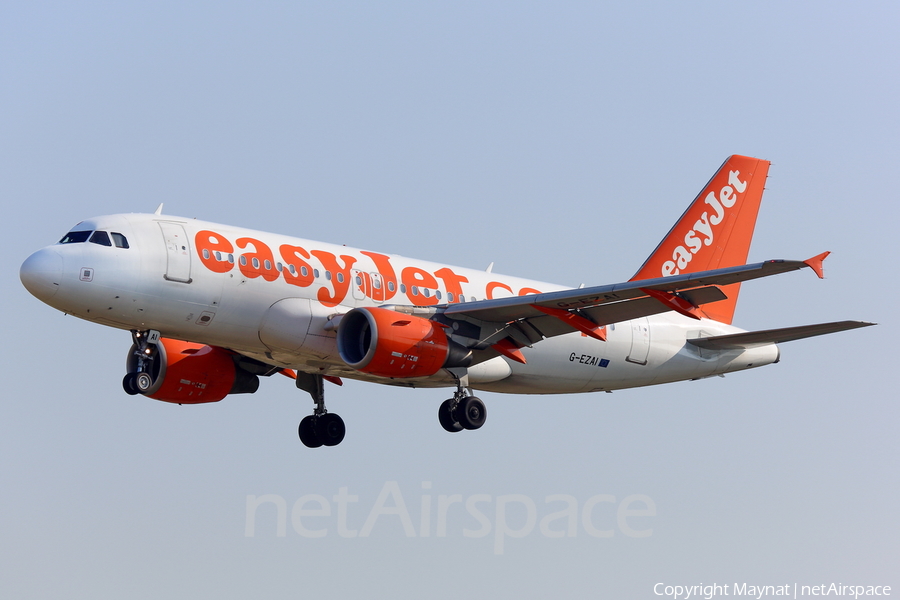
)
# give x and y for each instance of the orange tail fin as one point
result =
(715, 231)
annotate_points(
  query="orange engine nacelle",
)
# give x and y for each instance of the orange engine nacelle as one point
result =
(384, 342)
(188, 373)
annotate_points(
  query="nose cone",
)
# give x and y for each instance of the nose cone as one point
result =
(41, 273)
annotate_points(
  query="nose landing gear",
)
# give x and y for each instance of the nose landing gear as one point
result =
(143, 368)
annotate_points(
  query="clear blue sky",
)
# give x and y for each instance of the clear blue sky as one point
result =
(560, 143)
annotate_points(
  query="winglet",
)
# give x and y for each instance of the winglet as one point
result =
(158, 210)
(815, 263)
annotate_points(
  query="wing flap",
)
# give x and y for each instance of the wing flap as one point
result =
(616, 312)
(752, 339)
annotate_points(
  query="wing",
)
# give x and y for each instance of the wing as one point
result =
(507, 324)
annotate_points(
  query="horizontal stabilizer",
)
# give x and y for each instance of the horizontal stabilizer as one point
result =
(773, 336)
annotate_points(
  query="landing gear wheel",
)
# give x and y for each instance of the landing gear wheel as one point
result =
(330, 429)
(320, 428)
(446, 418)
(146, 364)
(471, 412)
(143, 382)
(307, 431)
(129, 386)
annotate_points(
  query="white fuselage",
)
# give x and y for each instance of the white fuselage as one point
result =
(278, 299)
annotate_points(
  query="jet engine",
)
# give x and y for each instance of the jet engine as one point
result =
(387, 343)
(188, 373)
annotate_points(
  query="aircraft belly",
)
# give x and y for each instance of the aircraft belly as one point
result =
(286, 325)
(551, 368)
(300, 332)
(575, 363)
(490, 371)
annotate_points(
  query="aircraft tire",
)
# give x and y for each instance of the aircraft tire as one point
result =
(142, 382)
(307, 431)
(446, 419)
(129, 386)
(330, 429)
(471, 413)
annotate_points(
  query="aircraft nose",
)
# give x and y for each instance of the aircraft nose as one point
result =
(41, 273)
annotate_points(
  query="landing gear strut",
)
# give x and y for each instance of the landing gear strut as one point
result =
(143, 370)
(462, 411)
(321, 428)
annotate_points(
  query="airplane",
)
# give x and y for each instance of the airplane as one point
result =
(212, 308)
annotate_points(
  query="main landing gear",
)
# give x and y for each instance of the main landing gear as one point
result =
(321, 428)
(142, 368)
(462, 411)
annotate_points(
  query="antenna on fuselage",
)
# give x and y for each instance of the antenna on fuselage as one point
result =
(489, 268)
(158, 210)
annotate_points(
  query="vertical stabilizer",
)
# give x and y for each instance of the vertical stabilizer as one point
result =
(715, 231)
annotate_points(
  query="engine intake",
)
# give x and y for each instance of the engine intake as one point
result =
(387, 343)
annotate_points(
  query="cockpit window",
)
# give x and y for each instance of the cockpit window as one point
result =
(75, 237)
(119, 240)
(100, 237)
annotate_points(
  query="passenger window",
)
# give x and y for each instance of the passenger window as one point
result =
(75, 237)
(101, 238)
(119, 240)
